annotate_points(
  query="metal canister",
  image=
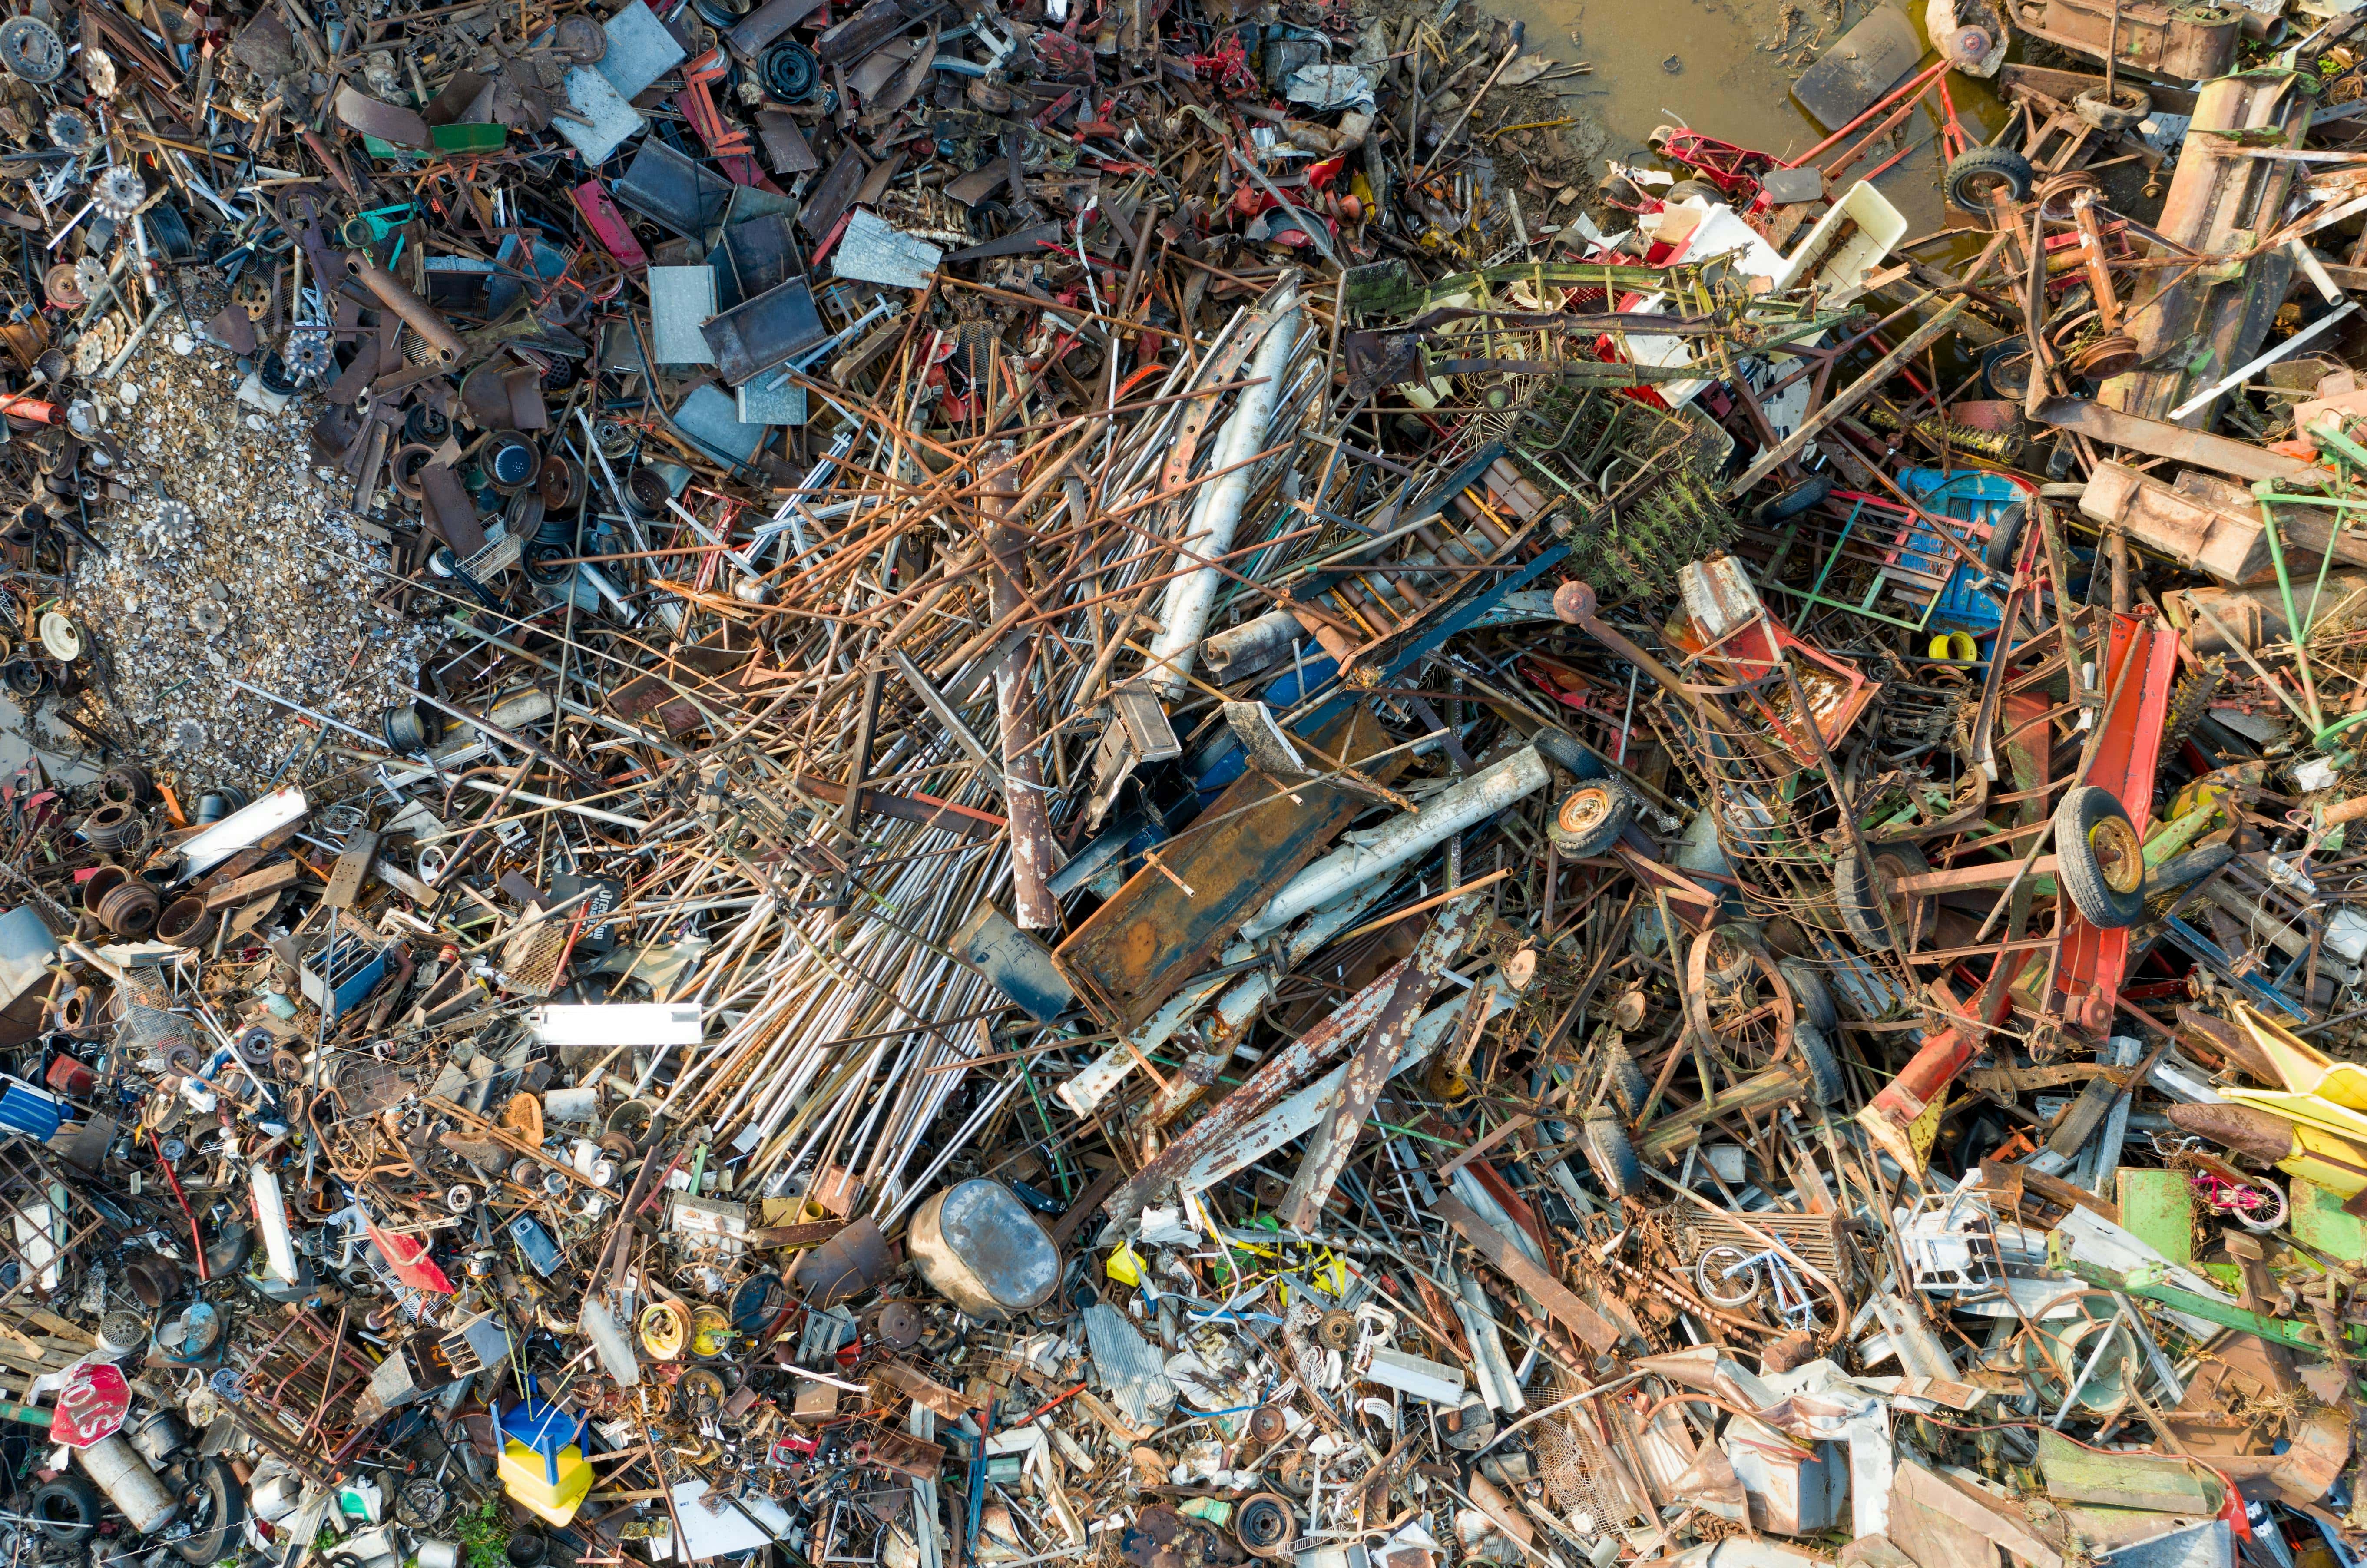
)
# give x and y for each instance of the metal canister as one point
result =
(980, 1246)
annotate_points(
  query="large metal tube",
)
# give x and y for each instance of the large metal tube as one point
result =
(128, 1483)
(1184, 613)
(1482, 796)
(417, 313)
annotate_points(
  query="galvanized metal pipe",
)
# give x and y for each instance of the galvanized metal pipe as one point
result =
(1217, 514)
(1478, 797)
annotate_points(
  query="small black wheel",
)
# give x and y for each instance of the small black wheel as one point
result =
(2005, 539)
(1604, 1138)
(2124, 109)
(1825, 1084)
(1796, 499)
(1685, 190)
(1863, 893)
(1562, 749)
(2099, 859)
(1979, 175)
(67, 1508)
(2005, 367)
(1591, 818)
(1627, 1083)
(1810, 996)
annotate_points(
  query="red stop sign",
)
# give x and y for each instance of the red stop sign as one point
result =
(92, 1405)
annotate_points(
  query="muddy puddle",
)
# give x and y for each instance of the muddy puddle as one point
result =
(1726, 68)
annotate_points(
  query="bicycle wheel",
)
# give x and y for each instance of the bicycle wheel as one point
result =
(1727, 1276)
(2266, 1215)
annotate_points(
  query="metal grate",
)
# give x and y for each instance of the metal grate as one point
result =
(1579, 1472)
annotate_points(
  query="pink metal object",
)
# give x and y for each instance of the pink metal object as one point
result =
(606, 220)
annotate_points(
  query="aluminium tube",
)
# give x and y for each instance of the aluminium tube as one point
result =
(1191, 598)
(1482, 796)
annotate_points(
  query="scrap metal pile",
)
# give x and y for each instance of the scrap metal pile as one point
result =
(1108, 789)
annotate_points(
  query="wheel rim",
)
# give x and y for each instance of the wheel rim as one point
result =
(2114, 843)
(1887, 870)
(1980, 186)
(1583, 811)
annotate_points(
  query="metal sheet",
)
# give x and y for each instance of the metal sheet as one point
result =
(614, 120)
(641, 50)
(760, 333)
(1136, 948)
(662, 184)
(873, 251)
(711, 417)
(681, 299)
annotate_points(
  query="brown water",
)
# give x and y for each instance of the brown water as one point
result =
(1729, 83)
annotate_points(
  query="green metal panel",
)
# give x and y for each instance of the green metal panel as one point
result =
(2157, 1208)
(2319, 1222)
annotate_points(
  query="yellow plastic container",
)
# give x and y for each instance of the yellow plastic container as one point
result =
(523, 1473)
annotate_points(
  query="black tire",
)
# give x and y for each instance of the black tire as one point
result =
(221, 1502)
(2186, 868)
(1590, 818)
(1825, 1084)
(1685, 190)
(1613, 1157)
(1974, 176)
(1562, 750)
(68, 1508)
(2005, 367)
(1796, 499)
(1810, 996)
(1627, 1083)
(2005, 539)
(2126, 109)
(2099, 858)
(1854, 891)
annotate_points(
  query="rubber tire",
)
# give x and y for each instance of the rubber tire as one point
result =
(2079, 874)
(1604, 1138)
(1983, 163)
(1853, 891)
(1996, 363)
(1826, 1082)
(1618, 811)
(78, 1500)
(1811, 997)
(228, 1510)
(1685, 190)
(2005, 539)
(1627, 1083)
(1796, 499)
(2116, 115)
(1563, 751)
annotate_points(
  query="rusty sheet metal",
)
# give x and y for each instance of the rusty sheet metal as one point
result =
(1279, 1073)
(2220, 202)
(1369, 1068)
(1513, 1264)
(2157, 439)
(1136, 949)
